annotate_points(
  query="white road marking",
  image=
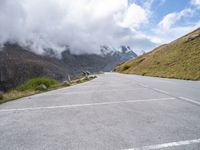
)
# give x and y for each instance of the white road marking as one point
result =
(167, 145)
(144, 85)
(190, 100)
(86, 92)
(161, 91)
(84, 105)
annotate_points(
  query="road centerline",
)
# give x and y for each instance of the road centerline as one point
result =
(161, 91)
(168, 94)
(167, 145)
(91, 91)
(189, 100)
(84, 105)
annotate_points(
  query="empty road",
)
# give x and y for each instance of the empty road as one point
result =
(112, 112)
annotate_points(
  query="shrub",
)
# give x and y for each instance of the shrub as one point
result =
(143, 73)
(33, 84)
(1, 96)
(126, 67)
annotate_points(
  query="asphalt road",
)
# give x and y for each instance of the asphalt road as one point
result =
(112, 112)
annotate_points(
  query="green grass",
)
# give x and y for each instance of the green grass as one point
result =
(34, 83)
(179, 59)
(31, 87)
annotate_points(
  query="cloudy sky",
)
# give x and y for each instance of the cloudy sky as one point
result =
(87, 24)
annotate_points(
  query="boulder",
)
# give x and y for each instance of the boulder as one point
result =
(66, 83)
(42, 87)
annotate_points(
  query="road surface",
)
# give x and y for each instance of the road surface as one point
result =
(112, 112)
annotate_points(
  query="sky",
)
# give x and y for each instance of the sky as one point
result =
(85, 25)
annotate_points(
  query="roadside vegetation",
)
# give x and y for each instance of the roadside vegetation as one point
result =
(179, 59)
(40, 85)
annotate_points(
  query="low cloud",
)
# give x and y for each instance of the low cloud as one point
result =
(83, 25)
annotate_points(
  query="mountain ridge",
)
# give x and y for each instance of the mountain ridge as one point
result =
(19, 64)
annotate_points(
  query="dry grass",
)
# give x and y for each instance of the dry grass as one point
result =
(179, 59)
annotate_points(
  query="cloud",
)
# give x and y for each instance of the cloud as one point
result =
(84, 25)
(196, 3)
(171, 26)
(134, 16)
(172, 18)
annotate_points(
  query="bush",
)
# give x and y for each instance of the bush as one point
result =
(1, 96)
(33, 84)
(126, 67)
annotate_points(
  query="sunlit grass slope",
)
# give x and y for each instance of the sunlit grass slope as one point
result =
(178, 59)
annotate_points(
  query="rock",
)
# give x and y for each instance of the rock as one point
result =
(192, 37)
(88, 73)
(66, 83)
(42, 87)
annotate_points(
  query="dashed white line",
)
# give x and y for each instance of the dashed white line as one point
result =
(161, 91)
(84, 105)
(167, 145)
(155, 89)
(144, 85)
(190, 100)
(86, 92)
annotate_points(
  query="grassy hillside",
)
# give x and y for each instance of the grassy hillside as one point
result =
(33, 86)
(178, 59)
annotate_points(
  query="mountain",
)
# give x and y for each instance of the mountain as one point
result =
(113, 57)
(178, 59)
(106, 61)
(18, 64)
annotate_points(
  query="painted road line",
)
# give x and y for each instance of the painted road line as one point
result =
(86, 92)
(155, 89)
(189, 100)
(161, 91)
(167, 145)
(85, 105)
(143, 85)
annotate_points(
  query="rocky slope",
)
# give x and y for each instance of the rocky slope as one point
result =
(178, 59)
(18, 65)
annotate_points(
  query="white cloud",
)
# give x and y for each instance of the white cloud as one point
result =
(196, 3)
(169, 28)
(82, 24)
(87, 24)
(170, 19)
(134, 16)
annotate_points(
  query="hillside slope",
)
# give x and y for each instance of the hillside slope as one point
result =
(18, 65)
(178, 59)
